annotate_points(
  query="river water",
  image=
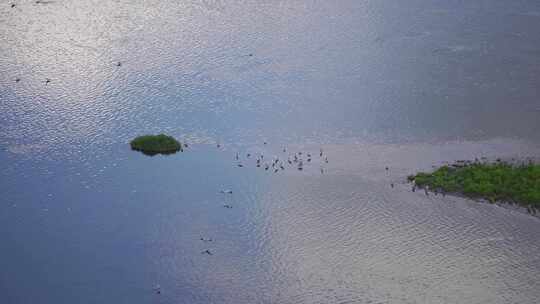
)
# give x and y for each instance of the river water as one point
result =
(374, 84)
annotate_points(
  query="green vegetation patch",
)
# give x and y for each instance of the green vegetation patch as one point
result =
(156, 144)
(493, 181)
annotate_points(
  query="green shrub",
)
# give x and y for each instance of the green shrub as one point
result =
(156, 144)
(493, 181)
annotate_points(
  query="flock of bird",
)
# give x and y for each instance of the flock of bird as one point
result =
(276, 163)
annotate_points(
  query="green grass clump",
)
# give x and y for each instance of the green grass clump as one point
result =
(156, 144)
(493, 181)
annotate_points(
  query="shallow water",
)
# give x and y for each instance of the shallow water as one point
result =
(375, 84)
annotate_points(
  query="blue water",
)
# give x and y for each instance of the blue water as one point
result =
(375, 84)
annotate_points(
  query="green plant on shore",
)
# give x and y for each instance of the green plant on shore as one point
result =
(156, 144)
(493, 181)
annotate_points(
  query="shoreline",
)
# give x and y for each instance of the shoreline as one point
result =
(512, 184)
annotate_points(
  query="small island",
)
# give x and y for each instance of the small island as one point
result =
(498, 181)
(156, 144)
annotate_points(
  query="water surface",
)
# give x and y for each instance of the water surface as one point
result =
(375, 84)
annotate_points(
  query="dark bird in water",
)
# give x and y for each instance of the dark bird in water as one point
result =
(250, 55)
(300, 168)
(326, 159)
(276, 170)
(386, 168)
(266, 167)
(248, 155)
(47, 80)
(290, 162)
(320, 153)
(227, 206)
(207, 252)
(13, 5)
(308, 155)
(118, 63)
(226, 191)
(240, 165)
(299, 153)
(284, 150)
(218, 145)
(309, 159)
(17, 79)
(206, 240)
(264, 143)
(282, 168)
(392, 185)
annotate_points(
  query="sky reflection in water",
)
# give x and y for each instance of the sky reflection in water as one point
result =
(374, 83)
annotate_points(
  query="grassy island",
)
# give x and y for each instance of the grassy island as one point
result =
(497, 181)
(156, 144)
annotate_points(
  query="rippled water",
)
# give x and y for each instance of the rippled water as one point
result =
(374, 83)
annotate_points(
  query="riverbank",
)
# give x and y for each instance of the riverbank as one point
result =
(496, 182)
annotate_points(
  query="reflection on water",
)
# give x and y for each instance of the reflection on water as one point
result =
(294, 72)
(374, 83)
(118, 228)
